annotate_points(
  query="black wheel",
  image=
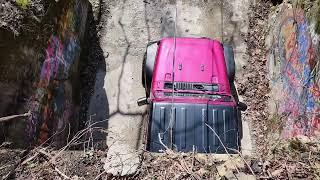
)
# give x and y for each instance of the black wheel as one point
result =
(144, 70)
(145, 80)
(148, 65)
(230, 63)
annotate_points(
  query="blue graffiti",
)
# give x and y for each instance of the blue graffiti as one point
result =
(70, 52)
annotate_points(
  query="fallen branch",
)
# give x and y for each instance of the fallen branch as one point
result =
(29, 159)
(49, 157)
(8, 118)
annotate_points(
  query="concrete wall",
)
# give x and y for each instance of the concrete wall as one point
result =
(294, 72)
(54, 104)
(54, 100)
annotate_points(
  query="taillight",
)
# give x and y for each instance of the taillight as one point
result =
(158, 94)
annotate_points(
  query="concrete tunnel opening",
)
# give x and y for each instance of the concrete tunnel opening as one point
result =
(64, 76)
(71, 58)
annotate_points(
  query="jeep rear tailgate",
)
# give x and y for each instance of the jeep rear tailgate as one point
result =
(190, 127)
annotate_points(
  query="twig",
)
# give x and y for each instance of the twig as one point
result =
(287, 171)
(167, 150)
(8, 118)
(77, 137)
(183, 163)
(99, 175)
(49, 157)
(223, 146)
(61, 173)
(243, 160)
(5, 144)
(29, 159)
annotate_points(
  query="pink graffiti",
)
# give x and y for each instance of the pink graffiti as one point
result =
(300, 91)
(52, 104)
(54, 57)
(59, 57)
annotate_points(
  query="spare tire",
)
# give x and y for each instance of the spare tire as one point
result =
(230, 63)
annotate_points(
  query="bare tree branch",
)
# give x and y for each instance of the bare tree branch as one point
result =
(8, 118)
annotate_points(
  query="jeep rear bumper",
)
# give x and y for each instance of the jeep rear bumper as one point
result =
(190, 127)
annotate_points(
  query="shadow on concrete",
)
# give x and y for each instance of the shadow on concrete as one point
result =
(94, 102)
(168, 24)
(124, 61)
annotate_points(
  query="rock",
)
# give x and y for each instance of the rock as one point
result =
(230, 176)
(261, 136)
(304, 139)
(75, 178)
(227, 168)
(121, 161)
(243, 176)
(202, 171)
(222, 171)
(276, 173)
(256, 166)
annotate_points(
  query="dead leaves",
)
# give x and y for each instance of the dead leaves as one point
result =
(290, 159)
(175, 165)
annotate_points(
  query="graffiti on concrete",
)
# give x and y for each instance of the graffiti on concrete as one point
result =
(52, 105)
(59, 58)
(299, 92)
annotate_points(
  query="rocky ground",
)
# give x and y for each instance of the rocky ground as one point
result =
(11, 16)
(22, 17)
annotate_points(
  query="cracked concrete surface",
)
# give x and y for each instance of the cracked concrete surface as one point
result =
(128, 27)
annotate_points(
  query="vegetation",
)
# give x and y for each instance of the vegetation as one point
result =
(23, 3)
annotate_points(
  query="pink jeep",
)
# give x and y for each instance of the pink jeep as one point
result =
(191, 96)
